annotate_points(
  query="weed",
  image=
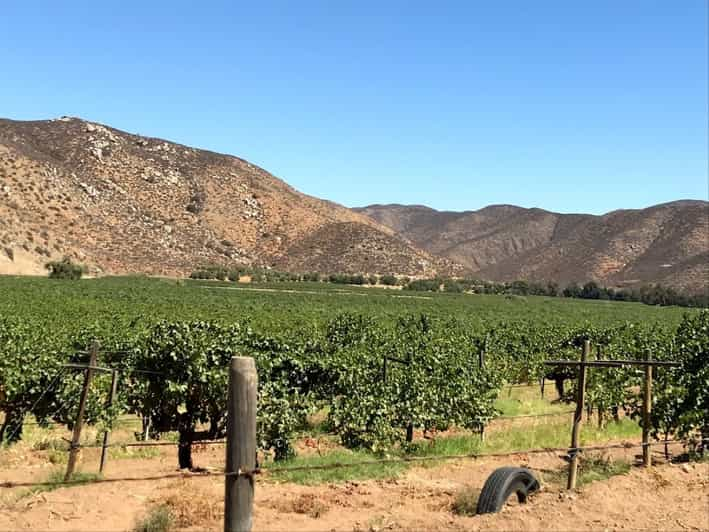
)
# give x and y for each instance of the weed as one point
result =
(591, 469)
(122, 453)
(309, 504)
(55, 480)
(159, 519)
(466, 501)
(190, 505)
(46, 442)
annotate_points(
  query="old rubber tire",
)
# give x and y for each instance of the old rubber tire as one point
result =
(502, 484)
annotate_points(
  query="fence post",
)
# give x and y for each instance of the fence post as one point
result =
(76, 435)
(647, 409)
(111, 399)
(578, 416)
(241, 445)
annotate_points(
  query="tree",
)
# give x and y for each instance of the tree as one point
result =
(388, 280)
(590, 290)
(65, 269)
(573, 290)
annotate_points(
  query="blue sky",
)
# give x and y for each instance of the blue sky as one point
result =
(569, 106)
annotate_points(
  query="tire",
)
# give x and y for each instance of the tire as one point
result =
(502, 484)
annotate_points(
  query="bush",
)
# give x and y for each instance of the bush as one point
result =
(424, 285)
(159, 519)
(466, 501)
(343, 278)
(65, 269)
(452, 286)
(388, 280)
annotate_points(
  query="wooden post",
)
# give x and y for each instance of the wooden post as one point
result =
(146, 428)
(578, 415)
(111, 399)
(76, 436)
(541, 384)
(647, 409)
(241, 445)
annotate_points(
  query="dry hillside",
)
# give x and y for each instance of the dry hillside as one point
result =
(125, 203)
(667, 243)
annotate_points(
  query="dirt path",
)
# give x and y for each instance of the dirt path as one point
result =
(337, 292)
(668, 497)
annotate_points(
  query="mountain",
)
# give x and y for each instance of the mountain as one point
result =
(124, 203)
(667, 243)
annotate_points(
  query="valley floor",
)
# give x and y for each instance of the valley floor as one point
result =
(667, 497)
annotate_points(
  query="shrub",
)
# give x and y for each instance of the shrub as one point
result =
(452, 286)
(159, 519)
(65, 269)
(388, 280)
(424, 285)
(466, 501)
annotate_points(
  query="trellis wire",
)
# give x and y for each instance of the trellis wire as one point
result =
(339, 465)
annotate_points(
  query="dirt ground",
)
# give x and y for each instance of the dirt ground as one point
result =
(667, 497)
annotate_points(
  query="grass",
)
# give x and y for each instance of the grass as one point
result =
(339, 474)
(592, 468)
(502, 436)
(552, 432)
(55, 480)
(527, 400)
(449, 445)
(125, 453)
(595, 468)
(549, 433)
(159, 519)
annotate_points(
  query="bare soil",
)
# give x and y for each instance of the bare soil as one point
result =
(666, 497)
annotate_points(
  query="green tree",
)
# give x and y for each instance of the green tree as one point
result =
(65, 269)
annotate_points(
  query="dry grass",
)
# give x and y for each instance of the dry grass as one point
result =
(190, 504)
(306, 504)
(466, 501)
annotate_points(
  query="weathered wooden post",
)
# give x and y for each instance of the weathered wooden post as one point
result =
(647, 409)
(578, 415)
(111, 400)
(76, 435)
(241, 445)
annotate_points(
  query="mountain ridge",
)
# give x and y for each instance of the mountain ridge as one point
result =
(666, 243)
(126, 203)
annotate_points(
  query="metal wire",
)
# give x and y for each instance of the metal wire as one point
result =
(338, 465)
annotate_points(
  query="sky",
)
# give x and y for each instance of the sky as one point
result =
(568, 106)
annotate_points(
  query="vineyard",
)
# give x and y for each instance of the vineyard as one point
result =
(378, 366)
